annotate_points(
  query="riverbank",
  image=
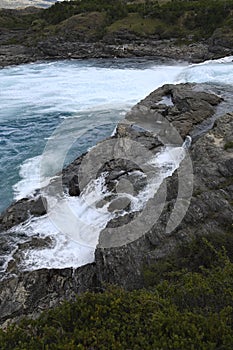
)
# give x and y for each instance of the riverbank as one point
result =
(160, 50)
(52, 50)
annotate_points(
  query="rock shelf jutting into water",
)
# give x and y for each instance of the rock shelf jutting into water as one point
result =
(146, 148)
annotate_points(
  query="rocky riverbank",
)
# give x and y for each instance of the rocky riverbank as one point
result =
(166, 116)
(55, 49)
(27, 35)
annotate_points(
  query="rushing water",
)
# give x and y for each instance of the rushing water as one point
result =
(36, 98)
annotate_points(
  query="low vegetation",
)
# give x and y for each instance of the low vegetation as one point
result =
(181, 19)
(228, 145)
(187, 303)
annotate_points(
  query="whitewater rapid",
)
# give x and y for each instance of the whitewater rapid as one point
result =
(36, 98)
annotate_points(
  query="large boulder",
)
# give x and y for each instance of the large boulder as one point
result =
(184, 106)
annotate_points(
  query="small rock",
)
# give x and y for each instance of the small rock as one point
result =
(119, 204)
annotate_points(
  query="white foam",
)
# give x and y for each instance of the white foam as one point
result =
(114, 132)
(211, 71)
(74, 223)
(64, 251)
(31, 178)
(164, 164)
(167, 100)
(78, 217)
(71, 86)
(227, 59)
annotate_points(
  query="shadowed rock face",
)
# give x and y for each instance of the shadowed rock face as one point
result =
(32, 292)
(21, 211)
(210, 210)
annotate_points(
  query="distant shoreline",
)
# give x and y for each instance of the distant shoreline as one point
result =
(164, 50)
(71, 31)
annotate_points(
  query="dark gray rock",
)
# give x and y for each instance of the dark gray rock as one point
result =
(221, 42)
(32, 292)
(74, 189)
(20, 211)
(119, 204)
(210, 211)
(182, 106)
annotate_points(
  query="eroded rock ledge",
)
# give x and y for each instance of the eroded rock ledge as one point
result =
(183, 106)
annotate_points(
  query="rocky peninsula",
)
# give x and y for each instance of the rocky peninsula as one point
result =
(210, 210)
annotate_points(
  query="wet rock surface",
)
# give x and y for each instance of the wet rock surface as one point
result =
(209, 208)
(21, 210)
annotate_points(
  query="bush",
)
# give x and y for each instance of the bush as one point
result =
(189, 308)
(228, 145)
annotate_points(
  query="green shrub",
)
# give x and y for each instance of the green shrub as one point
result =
(228, 145)
(191, 307)
(177, 18)
(192, 257)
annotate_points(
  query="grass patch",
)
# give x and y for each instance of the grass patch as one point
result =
(89, 24)
(136, 23)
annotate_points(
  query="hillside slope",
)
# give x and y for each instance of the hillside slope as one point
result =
(188, 30)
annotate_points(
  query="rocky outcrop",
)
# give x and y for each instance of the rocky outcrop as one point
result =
(32, 292)
(176, 109)
(170, 113)
(221, 42)
(21, 211)
(210, 210)
(155, 49)
(17, 48)
(184, 106)
(18, 54)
